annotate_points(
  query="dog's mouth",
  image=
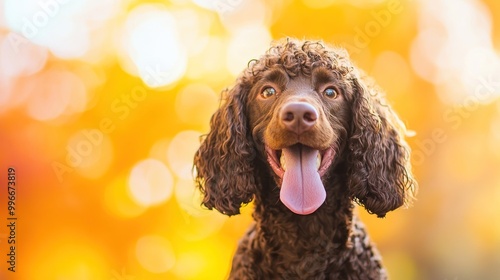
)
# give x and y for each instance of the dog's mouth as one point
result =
(300, 168)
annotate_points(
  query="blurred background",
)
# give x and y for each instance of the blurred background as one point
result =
(102, 103)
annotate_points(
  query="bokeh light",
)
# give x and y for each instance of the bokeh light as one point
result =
(24, 59)
(92, 151)
(189, 198)
(197, 223)
(62, 26)
(155, 253)
(103, 105)
(150, 182)
(151, 43)
(443, 48)
(118, 200)
(210, 65)
(240, 48)
(180, 153)
(195, 104)
(55, 93)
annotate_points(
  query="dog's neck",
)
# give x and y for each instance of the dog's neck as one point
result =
(330, 223)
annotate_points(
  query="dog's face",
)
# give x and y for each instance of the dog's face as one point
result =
(299, 125)
(297, 109)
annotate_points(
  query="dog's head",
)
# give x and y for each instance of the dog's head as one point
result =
(301, 108)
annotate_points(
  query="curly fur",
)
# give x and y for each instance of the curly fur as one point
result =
(371, 167)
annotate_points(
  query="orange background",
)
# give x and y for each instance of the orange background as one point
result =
(102, 104)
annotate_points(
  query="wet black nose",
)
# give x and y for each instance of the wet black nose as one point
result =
(298, 116)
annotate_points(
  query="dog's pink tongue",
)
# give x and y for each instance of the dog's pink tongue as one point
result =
(301, 190)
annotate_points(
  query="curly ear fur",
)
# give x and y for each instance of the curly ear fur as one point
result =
(225, 174)
(380, 175)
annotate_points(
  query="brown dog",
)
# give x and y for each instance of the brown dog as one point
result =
(304, 135)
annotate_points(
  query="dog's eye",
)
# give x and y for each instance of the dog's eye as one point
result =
(268, 92)
(331, 93)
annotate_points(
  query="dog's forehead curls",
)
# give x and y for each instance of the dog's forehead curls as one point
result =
(297, 60)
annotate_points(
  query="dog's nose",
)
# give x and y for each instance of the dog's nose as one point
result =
(298, 116)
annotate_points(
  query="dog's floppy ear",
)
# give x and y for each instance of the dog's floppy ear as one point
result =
(379, 173)
(225, 173)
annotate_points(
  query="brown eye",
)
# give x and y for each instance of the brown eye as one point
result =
(268, 92)
(331, 93)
